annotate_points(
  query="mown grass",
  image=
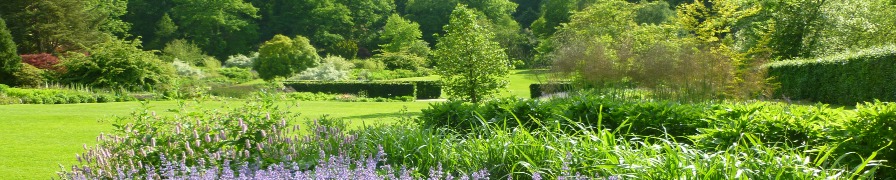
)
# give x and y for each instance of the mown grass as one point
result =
(36, 139)
(519, 81)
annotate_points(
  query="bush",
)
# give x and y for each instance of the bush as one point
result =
(30, 76)
(364, 89)
(284, 57)
(239, 75)
(333, 68)
(241, 61)
(41, 61)
(60, 96)
(185, 51)
(846, 78)
(369, 64)
(118, 64)
(185, 70)
(401, 60)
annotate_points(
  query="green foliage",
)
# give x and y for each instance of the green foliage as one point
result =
(428, 89)
(29, 76)
(402, 35)
(182, 50)
(310, 96)
(401, 60)
(61, 96)
(237, 75)
(10, 62)
(48, 26)
(656, 12)
(220, 27)
(471, 65)
(283, 57)
(118, 64)
(241, 61)
(376, 75)
(364, 89)
(186, 70)
(846, 78)
(333, 68)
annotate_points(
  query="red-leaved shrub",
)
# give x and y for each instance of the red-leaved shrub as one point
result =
(41, 61)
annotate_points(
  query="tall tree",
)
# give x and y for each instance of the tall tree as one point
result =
(402, 35)
(10, 62)
(283, 57)
(220, 27)
(472, 66)
(62, 25)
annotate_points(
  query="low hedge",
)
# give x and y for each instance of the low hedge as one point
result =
(58, 96)
(846, 78)
(367, 89)
(540, 89)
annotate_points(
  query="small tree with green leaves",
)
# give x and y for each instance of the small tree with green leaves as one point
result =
(472, 66)
(283, 57)
(10, 62)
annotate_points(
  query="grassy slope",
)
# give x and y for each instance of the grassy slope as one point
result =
(36, 139)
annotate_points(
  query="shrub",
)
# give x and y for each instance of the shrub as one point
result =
(401, 60)
(369, 64)
(185, 70)
(61, 96)
(118, 64)
(241, 61)
(845, 78)
(30, 76)
(333, 68)
(367, 89)
(185, 51)
(239, 75)
(41, 61)
(283, 57)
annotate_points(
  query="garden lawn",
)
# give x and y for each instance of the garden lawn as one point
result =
(519, 81)
(36, 139)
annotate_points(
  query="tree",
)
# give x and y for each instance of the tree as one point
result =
(402, 35)
(48, 26)
(283, 57)
(220, 27)
(472, 66)
(10, 62)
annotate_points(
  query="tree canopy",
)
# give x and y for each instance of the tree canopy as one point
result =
(284, 57)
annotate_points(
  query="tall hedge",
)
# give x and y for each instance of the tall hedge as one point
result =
(372, 89)
(846, 78)
(428, 89)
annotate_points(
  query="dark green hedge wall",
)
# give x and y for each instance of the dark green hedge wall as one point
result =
(846, 78)
(372, 89)
(428, 89)
(537, 90)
